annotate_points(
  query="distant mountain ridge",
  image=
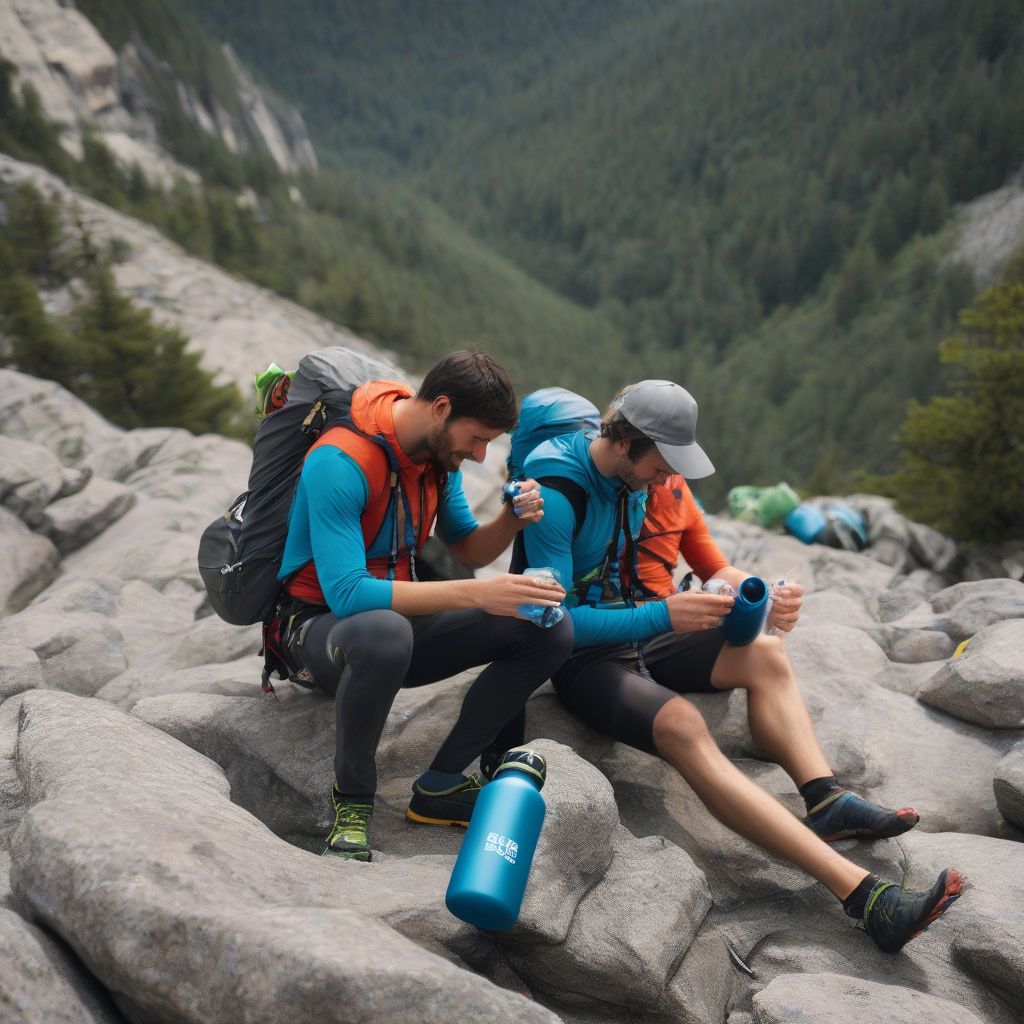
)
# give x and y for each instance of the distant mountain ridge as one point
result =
(119, 87)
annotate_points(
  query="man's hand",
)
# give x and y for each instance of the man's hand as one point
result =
(528, 504)
(692, 611)
(786, 607)
(502, 595)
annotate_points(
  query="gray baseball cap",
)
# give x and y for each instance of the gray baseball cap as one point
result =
(667, 414)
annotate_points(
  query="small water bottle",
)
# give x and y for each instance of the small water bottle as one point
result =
(540, 614)
(493, 866)
(749, 611)
(509, 492)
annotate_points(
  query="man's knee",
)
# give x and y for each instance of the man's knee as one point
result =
(679, 723)
(559, 639)
(761, 663)
(373, 642)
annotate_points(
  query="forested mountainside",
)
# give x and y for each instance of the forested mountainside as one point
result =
(758, 198)
(370, 255)
(756, 195)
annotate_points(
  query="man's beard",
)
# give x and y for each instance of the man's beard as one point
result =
(442, 450)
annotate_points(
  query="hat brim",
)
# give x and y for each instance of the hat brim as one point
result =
(688, 460)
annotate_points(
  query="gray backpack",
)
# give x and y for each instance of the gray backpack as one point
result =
(240, 551)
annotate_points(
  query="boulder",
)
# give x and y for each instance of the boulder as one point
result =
(1009, 786)
(74, 521)
(31, 477)
(169, 925)
(31, 562)
(838, 999)
(239, 678)
(912, 646)
(77, 652)
(211, 641)
(42, 412)
(971, 957)
(41, 983)
(20, 670)
(986, 683)
(908, 678)
(893, 604)
(995, 591)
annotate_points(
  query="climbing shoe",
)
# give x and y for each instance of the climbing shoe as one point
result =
(452, 805)
(892, 916)
(349, 837)
(844, 815)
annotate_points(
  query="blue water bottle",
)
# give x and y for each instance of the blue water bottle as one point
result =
(748, 614)
(493, 866)
(543, 615)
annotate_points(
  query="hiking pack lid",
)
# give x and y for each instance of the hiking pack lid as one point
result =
(527, 761)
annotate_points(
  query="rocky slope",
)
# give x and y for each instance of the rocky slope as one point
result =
(236, 326)
(82, 82)
(160, 818)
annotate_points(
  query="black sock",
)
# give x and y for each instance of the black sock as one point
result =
(816, 790)
(854, 903)
(361, 798)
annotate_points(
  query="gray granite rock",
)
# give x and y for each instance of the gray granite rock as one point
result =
(77, 652)
(170, 925)
(74, 521)
(31, 562)
(20, 670)
(994, 590)
(838, 999)
(912, 646)
(31, 477)
(1008, 785)
(40, 983)
(986, 683)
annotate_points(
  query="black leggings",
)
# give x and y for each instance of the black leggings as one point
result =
(366, 658)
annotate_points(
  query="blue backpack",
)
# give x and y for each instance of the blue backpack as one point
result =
(543, 415)
(824, 521)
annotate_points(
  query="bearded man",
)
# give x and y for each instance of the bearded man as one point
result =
(360, 623)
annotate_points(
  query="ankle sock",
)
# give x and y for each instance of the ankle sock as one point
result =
(854, 904)
(439, 782)
(816, 790)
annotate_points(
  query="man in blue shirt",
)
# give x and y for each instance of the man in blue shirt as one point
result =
(362, 626)
(632, 660)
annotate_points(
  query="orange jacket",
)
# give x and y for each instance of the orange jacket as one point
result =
(674, 525)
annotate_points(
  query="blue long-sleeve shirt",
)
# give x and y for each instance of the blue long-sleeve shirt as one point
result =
(324, 525)
(550, 542)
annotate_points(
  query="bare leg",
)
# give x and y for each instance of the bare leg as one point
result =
(682, 738)
(779, 722)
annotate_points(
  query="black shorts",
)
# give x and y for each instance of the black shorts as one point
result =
(611, 691)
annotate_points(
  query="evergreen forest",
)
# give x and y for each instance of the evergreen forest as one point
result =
(757, 198)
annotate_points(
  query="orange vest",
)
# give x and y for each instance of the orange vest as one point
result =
(373, 413)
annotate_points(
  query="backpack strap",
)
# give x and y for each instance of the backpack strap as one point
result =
(577, 497)
(398, 512)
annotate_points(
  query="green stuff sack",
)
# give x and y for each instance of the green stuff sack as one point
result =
(763, 506)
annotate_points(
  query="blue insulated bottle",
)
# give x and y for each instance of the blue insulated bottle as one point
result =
(748, 613)
(493, 866)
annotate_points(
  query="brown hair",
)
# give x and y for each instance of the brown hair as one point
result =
(616, 427)
(477, 386)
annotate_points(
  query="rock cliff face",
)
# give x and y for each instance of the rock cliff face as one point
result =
(237, 326)
(83, 82)
(160, 818)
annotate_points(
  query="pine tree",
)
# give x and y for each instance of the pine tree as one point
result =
(138, 373)
(34, 343)
(963, 453)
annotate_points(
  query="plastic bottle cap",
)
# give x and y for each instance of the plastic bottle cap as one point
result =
(525, 761)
